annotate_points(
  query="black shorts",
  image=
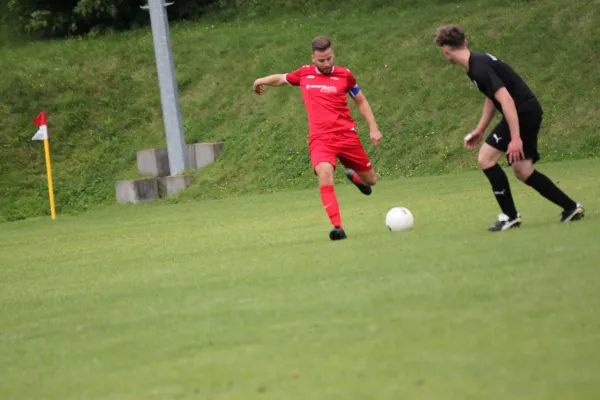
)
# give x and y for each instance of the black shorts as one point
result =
(530, 120)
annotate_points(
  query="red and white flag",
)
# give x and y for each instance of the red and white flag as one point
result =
(42, 133)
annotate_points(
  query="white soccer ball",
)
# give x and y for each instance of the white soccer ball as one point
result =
(399, 219)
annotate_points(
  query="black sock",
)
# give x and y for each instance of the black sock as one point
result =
(549, 190)
(501, 189)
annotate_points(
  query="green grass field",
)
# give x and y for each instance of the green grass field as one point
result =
(247, 298)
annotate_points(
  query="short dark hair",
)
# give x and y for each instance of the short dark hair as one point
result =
(450, 35)
(321, 43)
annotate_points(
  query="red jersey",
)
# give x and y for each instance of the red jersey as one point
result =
(325, 98)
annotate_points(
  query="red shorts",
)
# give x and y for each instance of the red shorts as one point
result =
(345, 146)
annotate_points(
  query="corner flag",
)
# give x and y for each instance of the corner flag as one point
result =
(42, 134)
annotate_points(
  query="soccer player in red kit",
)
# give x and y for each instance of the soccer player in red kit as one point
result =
(325, 88)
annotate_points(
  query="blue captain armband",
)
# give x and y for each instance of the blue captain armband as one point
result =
(354, 90)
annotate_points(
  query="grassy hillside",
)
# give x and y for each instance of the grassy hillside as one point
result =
(103, 101)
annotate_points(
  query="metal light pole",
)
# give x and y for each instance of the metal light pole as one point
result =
(169, 97)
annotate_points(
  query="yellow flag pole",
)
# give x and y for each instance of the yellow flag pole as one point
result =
(49, 171)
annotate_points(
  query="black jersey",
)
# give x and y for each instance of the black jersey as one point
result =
(490, 74)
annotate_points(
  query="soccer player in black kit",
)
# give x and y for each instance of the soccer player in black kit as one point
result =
(516, 134)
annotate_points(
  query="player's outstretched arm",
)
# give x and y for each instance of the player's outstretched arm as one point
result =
(473, 139)
(486, 116)
(367, 113)
(271, 80)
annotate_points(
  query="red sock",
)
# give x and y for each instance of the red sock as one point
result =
(356, 179)
(331, 205)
